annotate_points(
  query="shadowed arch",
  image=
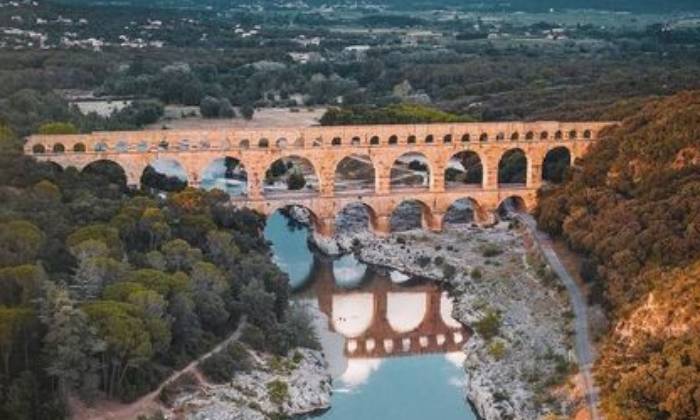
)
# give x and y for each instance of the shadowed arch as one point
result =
(38, 149)
(244, 144)
(109, 172)
(298, 215)
(393, 140)
(374, 141)
(356, 217)
(514, 203)
(336, 141)
(226, 174)
(59, 148)
(411, 170)
(290, 174)
(164, 174)
(263, 143)
(464, 210)
(515, 136)
(79, 148)
(355, 173)
(464, 169)
(556, 163)
(512, 167)
(410, 214)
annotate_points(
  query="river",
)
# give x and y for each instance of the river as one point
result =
(393, 348)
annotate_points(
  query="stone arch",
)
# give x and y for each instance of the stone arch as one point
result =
(101, 146)
(227, 174)
(58, 148)
(356, 141)
(410, 214)
(463, 210)
(447, 139)
(393, 140)
(349, 219)
(315, 222)
(79, 148)
(291, 173)
(555, 164)
(108, 170)
(573, 134)
(244, 144)
(515, 136)
(206, 145)
(355, 172)
(511, 203)
(142, 146)
(165, 174)
(163, 145)
(484, 137)
(411, 169)
(121, 147)
(544, 135)
(500, 136)
(587, 134)
(263, 143)
(466, 138)
(183, 145)
(429, 139)
(464, 168)
(38, 149)
(411, 139)
(558, 135)
(374, 141)
(282, 143)
(336, 141)
(512, 167)
(530, 135)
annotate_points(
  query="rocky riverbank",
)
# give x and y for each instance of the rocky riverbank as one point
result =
(520, 351)
(285, 387)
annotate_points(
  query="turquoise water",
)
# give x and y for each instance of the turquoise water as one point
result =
(418, 387)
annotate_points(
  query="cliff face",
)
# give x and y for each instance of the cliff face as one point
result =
(633, 207)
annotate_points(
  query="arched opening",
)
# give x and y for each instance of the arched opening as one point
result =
(59, 148)
(464, 169)
(226, 174)
(164, 174)
(515, 136)
(121, 146)
(558, 135)
(484, 137)
(356, 141)
(79, 148)
(461, 212)
(101, 147)
(587, 134)
(512, 168)
(529, 135)
(374, 141)
(163, 145)
(291, 174)
(409, 215)
(573, 134)
(142, 146)
(544, 135)
(318, 142)
(393, 140)
(411, 140)
(466, 138)
(107, 172)
(355, 173)
(355, 217)
(263, 143)
(205, 145)
(500, 136)
(556, 164)
(282, 143)
(429, 139)
(512, 204)
(410, 170)
(447, 139)
(337, 141)
(38, 148)
(182, 145)
(244, 144)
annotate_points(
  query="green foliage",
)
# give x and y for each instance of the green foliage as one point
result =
(221, 367)
(20, 242)
(57, 128)
(489, 325)
(497, 349)
(278, 391)
(393, 114)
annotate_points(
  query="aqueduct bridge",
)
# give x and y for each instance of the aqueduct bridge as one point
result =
(325, 147)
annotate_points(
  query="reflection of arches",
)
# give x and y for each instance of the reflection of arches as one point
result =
(38, 148)
(107, 169)
(355, 173)
(352, 313)
(59, 148)
(79, 148)
(227, 174)
(406, 310)
(555, 164)
(464, 168)
(356, 216)
(512, 167)
(291, 173)
(410, 214)
(411, 170)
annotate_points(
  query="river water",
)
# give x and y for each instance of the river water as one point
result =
(393, 348)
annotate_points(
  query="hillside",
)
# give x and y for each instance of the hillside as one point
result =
(633, 208)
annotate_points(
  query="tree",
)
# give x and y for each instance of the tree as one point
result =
(13, 322)
(21, 285)
(209, 107)
(296, 181)
(70, 344)
(179, 255)
(247, 111)
(58, 128)
(20, 242)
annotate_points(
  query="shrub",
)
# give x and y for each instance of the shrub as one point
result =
(491, 250)
(497, 349)
(220, 367)
(278, 391)
(423, 261)
(448, 271)
(476, 273)
(489, 326)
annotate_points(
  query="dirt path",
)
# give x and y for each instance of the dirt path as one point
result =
(149, 403)
(584, 348)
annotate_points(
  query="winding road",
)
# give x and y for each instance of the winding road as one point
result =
(584, 349)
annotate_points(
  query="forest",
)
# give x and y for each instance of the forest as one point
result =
(632, 208)
(104, 291)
